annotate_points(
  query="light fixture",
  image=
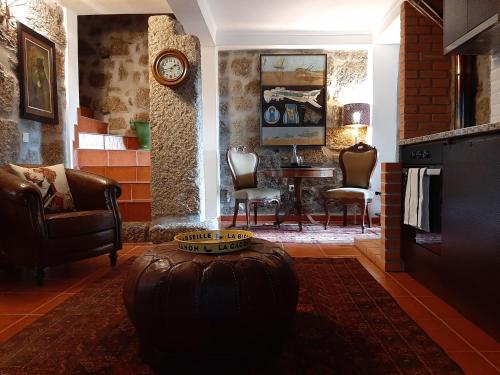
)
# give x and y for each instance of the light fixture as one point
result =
(356, 115)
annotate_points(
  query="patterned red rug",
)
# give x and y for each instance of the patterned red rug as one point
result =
(314, 233)
(346, 324)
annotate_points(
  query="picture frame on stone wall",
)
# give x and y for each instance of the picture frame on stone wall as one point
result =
(293, 99)
(37, 76)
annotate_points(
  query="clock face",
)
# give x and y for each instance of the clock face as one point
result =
(171, 67)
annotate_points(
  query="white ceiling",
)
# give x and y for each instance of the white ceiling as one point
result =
(88, 7)
(319, 16)
(264, 22)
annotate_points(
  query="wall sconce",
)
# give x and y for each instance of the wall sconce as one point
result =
(355, 116)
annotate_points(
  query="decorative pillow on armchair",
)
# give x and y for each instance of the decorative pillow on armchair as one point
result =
(52, 183)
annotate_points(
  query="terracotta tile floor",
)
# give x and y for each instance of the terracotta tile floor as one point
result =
(21, 302)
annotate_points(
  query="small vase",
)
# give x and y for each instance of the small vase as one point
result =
(143, 134)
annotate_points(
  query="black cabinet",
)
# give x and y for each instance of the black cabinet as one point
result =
(479, 11)
(471, 26)
(455, 20)
(470, 263)
(466, 271)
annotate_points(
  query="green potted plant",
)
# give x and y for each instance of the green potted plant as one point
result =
(143, 134)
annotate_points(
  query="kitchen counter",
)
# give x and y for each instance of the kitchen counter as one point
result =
(473, 130)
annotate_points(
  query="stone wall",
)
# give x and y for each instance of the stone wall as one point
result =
(239, 110)
(483, 93)
(495, 88)
(46, 144)
(114, 68)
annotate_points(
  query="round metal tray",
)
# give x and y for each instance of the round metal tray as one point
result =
(213, 241)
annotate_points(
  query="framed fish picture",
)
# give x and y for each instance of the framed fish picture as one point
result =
(37, 76)
(293, 99)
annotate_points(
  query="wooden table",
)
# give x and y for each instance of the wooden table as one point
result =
(298, 174)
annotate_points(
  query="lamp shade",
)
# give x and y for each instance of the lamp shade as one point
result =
(356, 114)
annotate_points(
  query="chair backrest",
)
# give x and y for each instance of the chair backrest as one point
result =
(243, 165)
(357, 163)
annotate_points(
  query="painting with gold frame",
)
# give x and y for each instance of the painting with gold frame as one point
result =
(293, 99)
(37, 76)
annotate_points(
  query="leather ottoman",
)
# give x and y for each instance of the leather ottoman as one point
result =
(228, 308)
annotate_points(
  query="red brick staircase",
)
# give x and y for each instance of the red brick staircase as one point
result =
(116, 157)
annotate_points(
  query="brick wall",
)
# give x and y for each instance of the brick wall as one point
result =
(390, 215)
(425, 76)
(385, 252)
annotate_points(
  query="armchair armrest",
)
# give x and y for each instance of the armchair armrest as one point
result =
(14, 188)
(22, 220)
(93, 192)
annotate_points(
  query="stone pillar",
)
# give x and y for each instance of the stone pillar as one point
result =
(176, 147)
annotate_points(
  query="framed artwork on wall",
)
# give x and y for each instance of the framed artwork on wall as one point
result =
(37, 76)
(293, 99)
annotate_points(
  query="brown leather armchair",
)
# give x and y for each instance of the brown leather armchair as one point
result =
(31, 238)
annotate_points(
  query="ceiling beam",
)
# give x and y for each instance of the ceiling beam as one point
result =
(250, 38)
(196, 19)
(99, 7)
(388, 20)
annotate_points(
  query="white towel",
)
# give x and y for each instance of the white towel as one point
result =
(416, 211)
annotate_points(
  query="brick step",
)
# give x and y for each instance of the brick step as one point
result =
(121, 174)
(96, 141)
(135, 191)
(135, 210)
(373, 250)
(85, 111)
(90, 125)
(104, 158)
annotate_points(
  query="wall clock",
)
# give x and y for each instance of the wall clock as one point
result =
(170, 67)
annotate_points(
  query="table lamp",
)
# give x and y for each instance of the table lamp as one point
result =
(356, 115)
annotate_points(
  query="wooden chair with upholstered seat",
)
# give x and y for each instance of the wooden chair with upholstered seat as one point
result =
(243, 165)
(357, 164)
